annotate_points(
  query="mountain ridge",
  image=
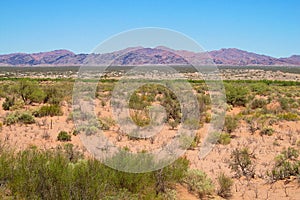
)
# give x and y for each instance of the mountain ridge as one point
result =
(140, 56)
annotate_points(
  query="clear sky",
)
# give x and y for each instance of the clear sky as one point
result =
(270, 27)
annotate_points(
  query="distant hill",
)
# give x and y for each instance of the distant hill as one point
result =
(141, 56)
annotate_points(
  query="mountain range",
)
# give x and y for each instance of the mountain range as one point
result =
(141, 56)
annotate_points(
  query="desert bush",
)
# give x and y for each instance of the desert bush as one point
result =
(9, 102)
(198, 182)
(63, 136)
(38, 174)
(286, 165)
(204, 102)
(15, 117)
(267, 131)
(173, 123)
(48, 110)
(175, 172)
(140, 117)
(109, 121)
(207, 117)
(10, 119)
(169, 194)
(54, 94)
(191, 123)
(26, 118)
(224, 139)
(260, 88)
(241, 162)
(18, 104)
(88, 129)
(6, 161)
(122, 194)
(236, 95)
(258, 103)
(29, 91)
(103, 125)
(188, 142)
(284, 103)
(75, 132)
(72, 154)
(213, 137)
(288, 116)
(225, 185)
(230, 123)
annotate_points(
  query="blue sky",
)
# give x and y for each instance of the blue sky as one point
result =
(262, 26)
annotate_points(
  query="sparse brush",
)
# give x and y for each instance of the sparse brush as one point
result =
(225, 185)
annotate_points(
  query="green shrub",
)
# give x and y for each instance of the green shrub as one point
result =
(236, 95)
(54, 94)
(63, 136)
(284, 103)
(38, 174)
(259, 88)
(289, 116)
(241, 162)
(72, 154)
(267, 131)
(225, 185)
(173, 123)
(286, 165)
(188, 142)
(207, 117)
(18, 104)
(26, 118)
(9, 102)
(11, 118)
(258, 103)
(75, 132)
(197, 181)
(29, 91)
(169, 194)
(213, 137)
(224, 139)
(104, 125)
(230, 123)
(15, 117)
(48, 110)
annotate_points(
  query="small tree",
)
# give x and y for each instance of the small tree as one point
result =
(29, 91)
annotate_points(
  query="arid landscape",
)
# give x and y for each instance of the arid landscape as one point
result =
(150, 100)
(256, 155)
